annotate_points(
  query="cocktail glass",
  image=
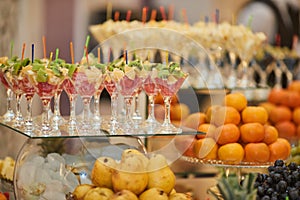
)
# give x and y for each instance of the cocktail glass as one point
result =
(87, 80)
(169, 81)
(150, 88)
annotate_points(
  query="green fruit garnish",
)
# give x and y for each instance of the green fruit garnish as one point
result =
(55, 70)
(37, 66)
(71, 69)
(42, 76)
(16, 68)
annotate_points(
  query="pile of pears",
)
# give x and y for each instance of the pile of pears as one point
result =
(134, 177)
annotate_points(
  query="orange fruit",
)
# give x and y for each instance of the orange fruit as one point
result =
(268, 106)
(277, 96)
(2, 196)
(207, 128)
(286, 129)
(224, 115)
(292, 99)
(257, 152)
(271, 134)
(296, 115)
(255, 114)
(280, 113)
(159, 99)
(294, 86)
(236, 100)
(227, 133)
(194, 120)
(159, 112)
(179, 111)
(231, 153)
(280, 149)
(298, 131)
(252, 132)
(206, 148)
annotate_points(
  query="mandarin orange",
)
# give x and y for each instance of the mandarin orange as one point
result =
(224, 115)
(271, 134)
(296, 115)
(227, 133)
(268, 106)
(252, 132)
(257, 152)
(194, 120)
(280, 113)
(286, 129)
(255, 114)
(277, 96)
(294, 86)
(292, 99)
(206, 148)
(207, 128)
(280, 149)
(236, 100)
(231, 153)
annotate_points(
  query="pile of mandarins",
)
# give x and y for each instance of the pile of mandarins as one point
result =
(236, 132)
(283, 107)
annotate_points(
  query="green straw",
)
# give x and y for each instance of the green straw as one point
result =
(56, 53)
(87, 41)
(249, 24)
(11, 47)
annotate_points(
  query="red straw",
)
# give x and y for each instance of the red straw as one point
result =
(163, 13)
(128, 15)
(171, 12)
(117, 15)
(153, 15)
(99, 56)
(144, 15)
(72, 52)
(23, 50)
(44, 46)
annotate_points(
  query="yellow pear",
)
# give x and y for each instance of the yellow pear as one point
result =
(133, 152)
(130, 175)
(154, 193)
(124, 195)
(81, 190)
(160, 174)
(101, 174)
(99, 193)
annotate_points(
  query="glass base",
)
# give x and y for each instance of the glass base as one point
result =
(167, 128)
(8, 116)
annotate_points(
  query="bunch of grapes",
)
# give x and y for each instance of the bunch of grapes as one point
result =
(282, 182)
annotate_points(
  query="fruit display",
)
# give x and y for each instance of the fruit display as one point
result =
(235, 133)
(135, 176)
(283, 106)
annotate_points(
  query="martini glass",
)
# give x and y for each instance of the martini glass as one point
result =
(169, 80)
(28, 90)
(150, 88)
(87, 80)
(46, 79)
(9, 114)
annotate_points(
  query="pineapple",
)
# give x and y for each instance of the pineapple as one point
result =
(230, 187)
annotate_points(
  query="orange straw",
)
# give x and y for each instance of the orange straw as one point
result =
(99, 56)
(171, 12)
(128, 15)
(23, 50)
(117, 16)
(144, 15)
(86, 54)
(153, 15)
(44, 46)
(185, 19)
(72, 52)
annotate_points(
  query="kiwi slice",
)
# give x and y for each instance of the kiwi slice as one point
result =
(37, 66)
(16, 68)
(42, 76)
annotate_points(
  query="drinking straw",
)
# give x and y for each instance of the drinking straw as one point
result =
(11, 47)
(108, 11)
(117, 15)
(163, 13)
(153, 15)
(184, 16)
(86, 55)
(144, 15)
(99, 55)
(128, 15)
(32, 53)
(217, 16)
(56, 53)
(126, 57)
(167, 58)
(72, 52)
(171, 12)
(87, 40)
(249, 24)
(44, 46)
(23, 51)
(50, 59)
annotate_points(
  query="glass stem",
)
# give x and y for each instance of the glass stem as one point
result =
(114, 105)
(97, 105)
(28, 121)
(72, 119)
(151, 116)
(45, 115)
(57, 104)
(9, 100)
(86, 110)
(167, 101)
(128, 120)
